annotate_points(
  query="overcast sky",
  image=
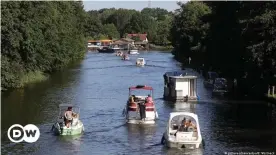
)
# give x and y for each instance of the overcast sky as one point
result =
(137, 5)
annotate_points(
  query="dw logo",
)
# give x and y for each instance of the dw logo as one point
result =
(29, 133)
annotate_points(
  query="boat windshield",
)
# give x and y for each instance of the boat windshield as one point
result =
(177, 121)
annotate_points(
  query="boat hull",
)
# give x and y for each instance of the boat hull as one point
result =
(106, 50)
(134, 118)
(194, 144)
(64, 131)
(138, 121)
(133, 52)
(188, 145)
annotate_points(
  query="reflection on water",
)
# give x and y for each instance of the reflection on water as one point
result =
(99, 86)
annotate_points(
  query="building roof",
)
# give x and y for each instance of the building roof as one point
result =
(120, 42)
(127, 39)
(141, 36)
(104, 40)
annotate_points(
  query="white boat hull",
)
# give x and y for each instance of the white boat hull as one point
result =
(187, 144)
(134, 118)
(133, 52)
(138, 121)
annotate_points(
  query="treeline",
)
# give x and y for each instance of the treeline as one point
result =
(236, 39)
(42, 37)
(116, 23)
(39, 37)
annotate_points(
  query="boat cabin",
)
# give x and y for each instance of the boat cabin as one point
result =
(180, 86)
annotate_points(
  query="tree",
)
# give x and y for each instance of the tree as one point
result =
(111, 31)
(39, 37)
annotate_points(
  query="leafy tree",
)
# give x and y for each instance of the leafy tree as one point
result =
(111, 31)
(120, 19)
(235, 38)
(39, 37)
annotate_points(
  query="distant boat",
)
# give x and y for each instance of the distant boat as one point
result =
(106, 49)
(133, 51)
(109, 49)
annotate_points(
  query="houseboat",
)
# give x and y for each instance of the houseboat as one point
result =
(180, 86)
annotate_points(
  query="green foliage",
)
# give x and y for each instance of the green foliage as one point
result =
(155, 22)
(39, 37)
(111, 31)
(234, 38)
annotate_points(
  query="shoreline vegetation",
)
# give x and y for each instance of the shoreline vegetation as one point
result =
(235, 39)
(160, 48)
(39, 38)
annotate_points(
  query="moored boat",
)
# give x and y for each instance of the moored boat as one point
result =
(106, 49)
(182, 131)
(74, 127)
(220, 86)
(210, 79)
(134, 51)
(140, 109)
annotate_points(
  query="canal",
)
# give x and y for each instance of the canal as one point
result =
(99, 85)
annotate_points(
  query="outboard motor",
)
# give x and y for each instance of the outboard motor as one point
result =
(142, 110)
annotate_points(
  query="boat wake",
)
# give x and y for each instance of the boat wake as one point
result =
(109, 67)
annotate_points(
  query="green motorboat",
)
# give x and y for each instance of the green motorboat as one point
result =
(74, 128)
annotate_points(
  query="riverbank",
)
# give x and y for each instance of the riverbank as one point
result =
(161, 48)
(32, 77)
(28, 78)
(243, 91)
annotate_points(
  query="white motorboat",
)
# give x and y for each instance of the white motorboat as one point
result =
(140, 62)
(134, 51)
(138, 110)
(119, 53)
(75, 127)
(176, 137)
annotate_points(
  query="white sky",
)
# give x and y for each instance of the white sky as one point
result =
(137, 5)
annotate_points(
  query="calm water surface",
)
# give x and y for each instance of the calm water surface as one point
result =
(99, 85)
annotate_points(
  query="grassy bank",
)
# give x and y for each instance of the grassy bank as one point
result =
(32, 77)
(161, 48)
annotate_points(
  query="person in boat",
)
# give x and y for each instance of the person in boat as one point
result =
(149, 99)
(183, 126)
(190, 123)
(131, 99)
(68, 116)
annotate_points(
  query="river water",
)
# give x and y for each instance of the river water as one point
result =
(99, 85)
